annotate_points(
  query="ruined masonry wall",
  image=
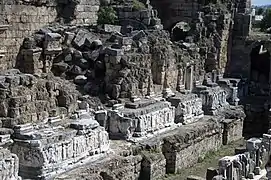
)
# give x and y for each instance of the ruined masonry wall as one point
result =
(24, 19)
(190, 155)
(10, 165)
(232, 131)
(173, 11)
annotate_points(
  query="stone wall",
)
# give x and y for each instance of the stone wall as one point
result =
(174, 11)
(151, 158)
(180, 154)
(232, 130)
(23, 18)
(25, 98)
(9, 165)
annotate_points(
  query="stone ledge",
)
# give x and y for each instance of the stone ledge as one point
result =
(4, 27)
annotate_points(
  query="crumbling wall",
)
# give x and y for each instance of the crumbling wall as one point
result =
(25, 98)
(24, 17)
(174, 11)
(180, 153)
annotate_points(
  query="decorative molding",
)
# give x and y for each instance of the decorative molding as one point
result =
(4, 27)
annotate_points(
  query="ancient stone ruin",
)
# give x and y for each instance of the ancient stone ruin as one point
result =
(131, 89)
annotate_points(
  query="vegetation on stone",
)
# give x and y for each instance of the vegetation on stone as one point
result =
(138, 6)
(106, 15)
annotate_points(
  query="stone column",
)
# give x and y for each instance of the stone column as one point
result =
(167, 92)
(180, 83)
(254, 146)
(32, 61)
(189, 78)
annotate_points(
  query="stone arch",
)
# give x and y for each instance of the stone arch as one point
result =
(179, 30)
(136, 24)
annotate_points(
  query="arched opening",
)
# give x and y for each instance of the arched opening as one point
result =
(180, 31)
(260, 70)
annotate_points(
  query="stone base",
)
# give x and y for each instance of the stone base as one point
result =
(140, 118)
(9, 165)
(45, 150)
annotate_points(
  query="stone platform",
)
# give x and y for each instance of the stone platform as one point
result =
(188, 108)
(47, 149)
(140, 118)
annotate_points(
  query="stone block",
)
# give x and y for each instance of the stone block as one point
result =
(153, 166)
(80, 38)
(211, 173)
(101, 117)
(112, 28)
(137, 35)
(68, 38)
(84, 124)
(253, 144)
(194, 178)
(59, 147)
(139, 122)
(10, 165)
(114, 52)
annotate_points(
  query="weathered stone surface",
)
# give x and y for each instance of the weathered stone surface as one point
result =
(138, 59)
(141, 121)
(58, 148)
(188, 108)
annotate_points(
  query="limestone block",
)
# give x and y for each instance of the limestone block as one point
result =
(213, 99)
(56, 148)
(84, 124)
(9, 165)
(112, 28)
(253, 144)
(188, 108)
(52, 43)
(68, 38)
(138, 122)
(153, 166)
(114, 52)
(101, 117)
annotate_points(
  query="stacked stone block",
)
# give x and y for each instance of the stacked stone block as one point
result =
(188, 108)
(24, 98)
(140, 118)
(49, 148)
(25, 18)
